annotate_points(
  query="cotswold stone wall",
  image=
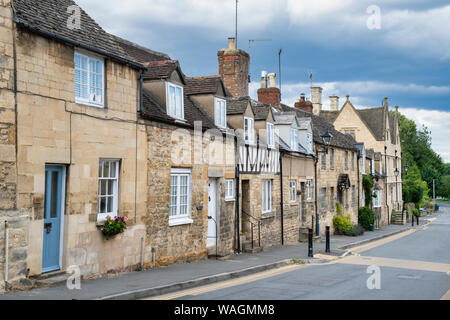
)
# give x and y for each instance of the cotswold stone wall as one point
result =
(17, 219)
(270, 222)
(171, 147)
(328, 178)
(53, 129)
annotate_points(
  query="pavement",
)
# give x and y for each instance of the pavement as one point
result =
(159, 281)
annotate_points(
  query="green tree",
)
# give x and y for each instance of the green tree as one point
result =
(418, 153)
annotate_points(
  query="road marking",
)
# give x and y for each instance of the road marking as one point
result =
(229, 283)
(446, 296)
(324, 256)
(380, 242)
(396, 263)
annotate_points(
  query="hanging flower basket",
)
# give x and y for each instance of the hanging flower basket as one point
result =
(114, 226)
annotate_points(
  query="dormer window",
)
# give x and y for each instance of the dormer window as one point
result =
(270, 135)
(249, 130)
(174, 100)
(309, 141)
(89, 80)
(220, 111)
(294, 139)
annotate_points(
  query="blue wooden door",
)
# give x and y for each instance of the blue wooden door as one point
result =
(52, 218)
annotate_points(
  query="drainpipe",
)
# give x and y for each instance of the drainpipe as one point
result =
(358, 156)
(236, 206)
(386, 183)
(315, 195)
(282, 198)
(6, 254)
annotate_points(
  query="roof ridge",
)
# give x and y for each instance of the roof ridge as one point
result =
(134, 44)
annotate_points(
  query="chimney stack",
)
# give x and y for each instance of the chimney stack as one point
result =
(270, 95)
(316, 100)
(233, 68)
(334, 103)
(303, 105)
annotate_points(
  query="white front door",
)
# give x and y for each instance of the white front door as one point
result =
(212, 213)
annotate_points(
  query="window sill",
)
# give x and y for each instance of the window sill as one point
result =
(230, 199)
(90, 104)
(266, 215)
(180, 221)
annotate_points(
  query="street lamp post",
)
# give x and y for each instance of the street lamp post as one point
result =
(326, 138)
(396, 172)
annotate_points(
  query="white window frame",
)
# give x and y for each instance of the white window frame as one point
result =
(346, 160)
(363, 162)
(323, 159)
(266, 192)
(101, 216)
(323, 199)
(352, 162)
(173, 109)
(309, 138)
(377, 201)
(372, 166)
(92, 99)
(309, 189)
(249, 130)
(220, 112)
(293, 190)
(270, 135)
(178, 218)
(229, 190)
(294, 139)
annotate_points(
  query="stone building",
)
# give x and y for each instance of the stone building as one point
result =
(94, 126)
(378, 129)
(75, 146)
(336, 174)
(258, 174)
(297, 169)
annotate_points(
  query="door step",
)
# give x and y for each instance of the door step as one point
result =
(50, 279)
(248, 248)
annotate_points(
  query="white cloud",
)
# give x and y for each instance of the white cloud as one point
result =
(362, 92)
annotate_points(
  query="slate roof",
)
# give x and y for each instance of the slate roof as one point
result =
(162, 69)
(260, 110)
(375, 120)
(204, 85)
(320, 126)
(154, 110)
(140, 53)
(49, 18)
(329, 115)
(237, 105)
(392, 127)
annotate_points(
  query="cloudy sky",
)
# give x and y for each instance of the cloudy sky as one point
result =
(404, 53)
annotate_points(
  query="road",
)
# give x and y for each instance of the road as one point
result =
(409, 266)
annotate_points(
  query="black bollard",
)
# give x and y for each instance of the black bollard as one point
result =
(417, 220)
(327, 233)
(310, 243)
(412, 220)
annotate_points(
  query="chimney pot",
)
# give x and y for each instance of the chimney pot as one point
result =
(232, 43)
(272, 80)
(263, 79)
